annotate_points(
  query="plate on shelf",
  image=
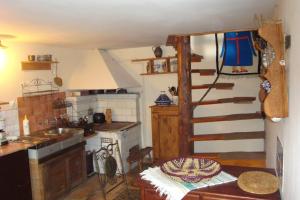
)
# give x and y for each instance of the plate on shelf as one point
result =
(191, 170)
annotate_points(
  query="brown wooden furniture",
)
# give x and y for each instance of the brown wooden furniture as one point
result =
(167, 61)
(165, 137)
(137, 155)
(54, 176)
(37, 65)
(162, 60)
(15, 176)
(228, 191)
(275, 103)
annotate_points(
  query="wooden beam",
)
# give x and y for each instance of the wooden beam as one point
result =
(171, 41)
(184, 95)
(213, 32)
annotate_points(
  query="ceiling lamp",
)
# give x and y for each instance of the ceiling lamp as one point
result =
(5, 36)
(2, 46)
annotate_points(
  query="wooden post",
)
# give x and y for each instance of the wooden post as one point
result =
(184, 95)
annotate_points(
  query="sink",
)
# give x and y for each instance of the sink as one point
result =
(75, 136)
(59, 131)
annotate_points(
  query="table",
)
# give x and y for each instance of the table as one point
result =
(227, 191)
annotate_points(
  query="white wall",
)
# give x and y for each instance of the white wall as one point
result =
(12, 76)
(288, 129)
(152, 85)
(75, 61)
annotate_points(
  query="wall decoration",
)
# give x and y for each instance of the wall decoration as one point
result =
(238, 53)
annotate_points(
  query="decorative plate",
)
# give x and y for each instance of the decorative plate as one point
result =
(163, 99)
(258, 182)
(191, 170)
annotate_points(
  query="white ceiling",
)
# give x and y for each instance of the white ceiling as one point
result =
(123, 23)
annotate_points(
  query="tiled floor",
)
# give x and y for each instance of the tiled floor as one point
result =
(90, 189)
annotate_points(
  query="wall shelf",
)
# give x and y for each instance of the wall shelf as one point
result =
(275, 102)
(3, 103)
(168, 64)
(149, 59)
(37, 65)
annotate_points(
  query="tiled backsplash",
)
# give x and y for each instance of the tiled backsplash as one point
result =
(124, 106)
(41, 115)
(9, 118)
(39, 110)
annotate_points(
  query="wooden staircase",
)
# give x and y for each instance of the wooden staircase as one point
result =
(187, 120)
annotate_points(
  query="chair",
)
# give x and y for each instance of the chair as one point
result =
(109, 167)
(137, 155)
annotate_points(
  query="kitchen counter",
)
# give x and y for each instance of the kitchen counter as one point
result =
(34, 141)
(115, 126)
(13, 147)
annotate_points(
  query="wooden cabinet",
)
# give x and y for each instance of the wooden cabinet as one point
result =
(56, 176)
(15, 176)
(76, 167)
(165, 137)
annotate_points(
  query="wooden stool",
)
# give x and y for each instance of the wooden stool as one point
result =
(137, 155)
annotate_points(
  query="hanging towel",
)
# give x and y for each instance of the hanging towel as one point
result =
(175, 190)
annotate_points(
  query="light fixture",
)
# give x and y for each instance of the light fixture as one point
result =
(5, 36)
(2, 46)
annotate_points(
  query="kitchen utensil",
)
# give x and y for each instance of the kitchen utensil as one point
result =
(57, 80)
(157, 51)
(31, 57)
(108, 115)
(191, 170)
(121, 91)
(99, 118)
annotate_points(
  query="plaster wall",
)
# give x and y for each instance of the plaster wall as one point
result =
(152, 85)
(288, 129)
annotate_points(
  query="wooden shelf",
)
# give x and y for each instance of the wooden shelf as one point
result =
(275, 103)
(3, 103)
(156, 73)
(149, 59)
(37, 65)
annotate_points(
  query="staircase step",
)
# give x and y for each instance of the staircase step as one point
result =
(229, 136)
(226, 100)
(245, 159)
(220, 86)
(196, 58)
(244, 116)
(204, 72)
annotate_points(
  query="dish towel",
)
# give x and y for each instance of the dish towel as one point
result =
(175, 190)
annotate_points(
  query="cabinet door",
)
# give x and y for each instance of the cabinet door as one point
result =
(168, 136)
(155, 135)
(55, 178)
(76, 168)
(15, 176)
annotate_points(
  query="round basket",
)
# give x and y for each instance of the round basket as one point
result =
(258, 182)
(191, 170)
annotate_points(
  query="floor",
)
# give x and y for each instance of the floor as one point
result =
(90, 189)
